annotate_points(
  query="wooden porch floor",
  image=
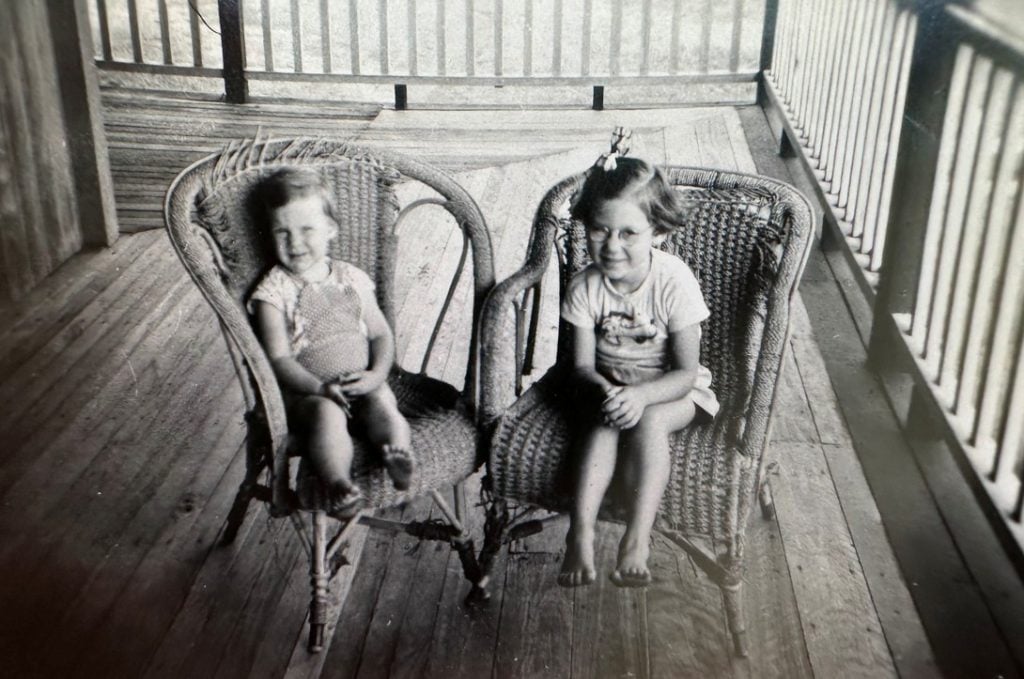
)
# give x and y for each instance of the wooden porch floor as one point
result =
(122, 448)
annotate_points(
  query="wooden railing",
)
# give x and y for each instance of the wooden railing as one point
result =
(843, 91)
(473, 42)
(910, 117)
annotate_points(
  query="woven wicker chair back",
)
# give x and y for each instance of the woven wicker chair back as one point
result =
(731, 241)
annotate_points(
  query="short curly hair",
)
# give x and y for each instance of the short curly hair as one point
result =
(636, 180)
(292, 183)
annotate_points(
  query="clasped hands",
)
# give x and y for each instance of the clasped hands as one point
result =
(623, 406)
(346, 388)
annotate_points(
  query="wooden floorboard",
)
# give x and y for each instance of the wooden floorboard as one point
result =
(126, 428)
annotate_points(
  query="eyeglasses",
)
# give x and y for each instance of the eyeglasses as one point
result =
(626, 237)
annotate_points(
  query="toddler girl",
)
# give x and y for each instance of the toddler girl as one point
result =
(635, 312)
(327, 340)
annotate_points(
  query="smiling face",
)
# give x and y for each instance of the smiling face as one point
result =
(302, 233)
(619, 240)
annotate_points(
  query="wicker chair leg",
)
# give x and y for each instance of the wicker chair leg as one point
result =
(318, 582)
(495, 525)
(767, 502)
(732, 589)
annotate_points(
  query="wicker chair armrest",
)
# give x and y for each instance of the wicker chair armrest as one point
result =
(202, 265)
(775, 338)
(497, 346)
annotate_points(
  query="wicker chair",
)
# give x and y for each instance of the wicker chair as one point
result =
(748, 242)
(225, 246)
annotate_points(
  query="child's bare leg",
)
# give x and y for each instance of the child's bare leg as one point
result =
(329, 445)
(647, 466)
(329, 448)
(597, 465)
(388, 429)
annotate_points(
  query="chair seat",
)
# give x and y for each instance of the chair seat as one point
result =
(443, 439)
(530, 461)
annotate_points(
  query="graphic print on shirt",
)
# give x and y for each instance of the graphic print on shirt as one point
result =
(631, 324)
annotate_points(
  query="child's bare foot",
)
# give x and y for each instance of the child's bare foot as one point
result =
(632, 568)
(345, 501)
(578, 566)
(400, 465)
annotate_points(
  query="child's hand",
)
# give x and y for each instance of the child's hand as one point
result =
(623, 407)
(361, 383)
(336, 393)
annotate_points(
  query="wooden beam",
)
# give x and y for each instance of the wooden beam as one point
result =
(83, 120)
(236, 88)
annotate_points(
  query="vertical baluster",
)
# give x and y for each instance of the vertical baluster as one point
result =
(645, 54)
(101, 11)
(165, 31)
(802, 85)
(781, 56)
(737, 36)
(1008, 218)
(325, 36)
(528, 38)
(880, 189)
(994, 199)
(442, 56)
(499, 48)
(976, 223)
(867, 112)
(940, 195)
(1011, 445)
(296, 19)
(674, 39)
(789, 49)
(813, 77)
(470, 41)
(382, 37)
(556, 52)
(952, 224)
(588, 6)
(841, 102)
(410, 29)
(268, 38)
(353, 36)
(823, 95)
(615, 42)
(881, 56)
(849, 143)
(133, 27)
(704, 50)
(800, 70)
(197, 45)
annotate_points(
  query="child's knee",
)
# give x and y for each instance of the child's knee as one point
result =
(318, 410)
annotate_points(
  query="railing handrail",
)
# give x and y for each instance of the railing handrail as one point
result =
(533, 45)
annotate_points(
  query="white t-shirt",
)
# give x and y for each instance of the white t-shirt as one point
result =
(632, 329)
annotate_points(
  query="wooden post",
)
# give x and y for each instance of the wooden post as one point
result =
(236, 88)
(931, 68)
(83, 119)
(771, 15)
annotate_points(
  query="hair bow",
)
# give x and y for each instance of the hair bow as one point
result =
(620, 147)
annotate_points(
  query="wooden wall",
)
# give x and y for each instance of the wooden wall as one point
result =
(39, 221)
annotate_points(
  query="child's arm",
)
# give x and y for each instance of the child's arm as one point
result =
(584, 353)
(273, 331)
(625, 405)
(382, 355)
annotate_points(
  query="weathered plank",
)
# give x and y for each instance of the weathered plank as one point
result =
(609, 624)
(791, 418)
(844, 636)
(685, 619)
(777, 646)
